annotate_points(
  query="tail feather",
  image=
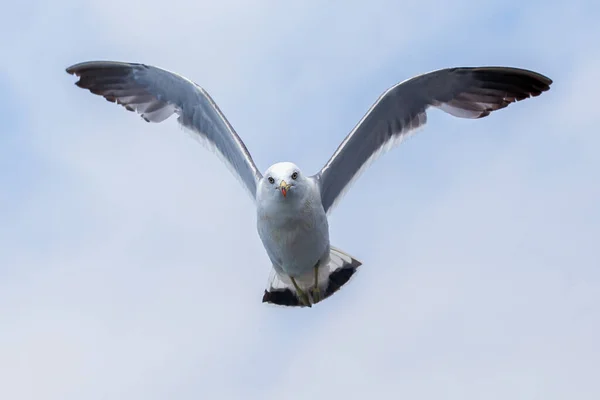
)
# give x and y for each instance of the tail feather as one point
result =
(346, 268)
(335, 272)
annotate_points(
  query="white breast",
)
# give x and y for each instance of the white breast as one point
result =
(294, 235)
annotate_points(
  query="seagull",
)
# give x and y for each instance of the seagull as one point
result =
(292, 207)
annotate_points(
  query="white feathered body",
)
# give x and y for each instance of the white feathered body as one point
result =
(294, 231)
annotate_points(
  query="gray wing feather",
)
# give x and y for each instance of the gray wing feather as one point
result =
(467, 92)
(157, 94)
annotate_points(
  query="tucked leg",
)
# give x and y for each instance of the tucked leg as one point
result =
(303, 296)
(315, 292)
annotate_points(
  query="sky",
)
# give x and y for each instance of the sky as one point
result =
(130, 265)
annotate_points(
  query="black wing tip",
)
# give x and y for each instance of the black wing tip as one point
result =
(517, 83)
(88, 73)
(77, 69)
(82, 67)
(542, 82)
(535, 81)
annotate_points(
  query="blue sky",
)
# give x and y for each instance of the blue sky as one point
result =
(481, 266)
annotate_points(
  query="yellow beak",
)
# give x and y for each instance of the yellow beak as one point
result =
(284, 187)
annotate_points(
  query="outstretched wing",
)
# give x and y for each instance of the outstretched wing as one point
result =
(463, 92)
(157, 94)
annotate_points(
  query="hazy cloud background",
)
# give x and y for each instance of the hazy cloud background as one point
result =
(130, 267)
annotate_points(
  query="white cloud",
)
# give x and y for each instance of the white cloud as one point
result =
(480, 268)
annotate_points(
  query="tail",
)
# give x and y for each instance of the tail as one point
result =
(334, 272)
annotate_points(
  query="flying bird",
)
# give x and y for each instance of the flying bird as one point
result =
(291, 206)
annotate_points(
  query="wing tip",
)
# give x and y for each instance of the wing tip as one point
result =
(82, 67)
(76, 69)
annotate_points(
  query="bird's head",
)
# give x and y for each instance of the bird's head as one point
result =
(283, 181)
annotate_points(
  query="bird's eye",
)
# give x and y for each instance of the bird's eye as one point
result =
(271, 180)
(294, 175)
